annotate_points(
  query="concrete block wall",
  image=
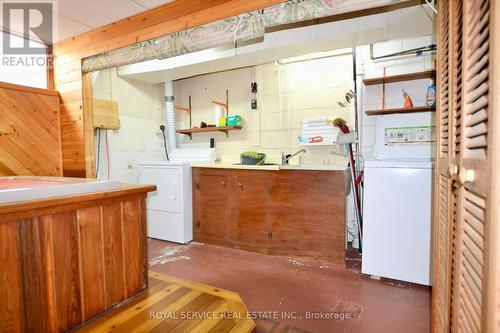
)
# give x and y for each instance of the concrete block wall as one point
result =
(307, 88)
(141, 111)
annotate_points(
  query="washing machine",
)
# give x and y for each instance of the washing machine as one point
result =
(397, 205)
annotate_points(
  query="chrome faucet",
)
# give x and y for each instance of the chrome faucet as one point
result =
(286, 158)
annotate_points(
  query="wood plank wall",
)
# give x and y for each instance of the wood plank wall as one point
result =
(76, 116)
(30, 137)
(70, 264)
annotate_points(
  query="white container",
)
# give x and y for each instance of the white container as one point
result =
(219, 112)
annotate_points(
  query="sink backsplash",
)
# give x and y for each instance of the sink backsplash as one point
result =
(323, 156)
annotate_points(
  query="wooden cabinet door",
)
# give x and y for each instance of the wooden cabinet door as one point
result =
(211, 202)
(309, 215)
(253, 212)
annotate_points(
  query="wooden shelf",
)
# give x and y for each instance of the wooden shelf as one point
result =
(402, 77)
(224, 105)
(400, 110)
(182, 108)
(224, 129)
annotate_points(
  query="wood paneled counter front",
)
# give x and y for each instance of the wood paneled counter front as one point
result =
(66, 259)
(299, 213)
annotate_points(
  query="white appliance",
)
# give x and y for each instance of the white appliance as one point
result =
(397, 210)
(169, 208)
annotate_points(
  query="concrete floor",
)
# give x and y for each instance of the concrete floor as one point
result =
(282, 291)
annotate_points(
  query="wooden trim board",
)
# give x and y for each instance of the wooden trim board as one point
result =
(12, 86)
(105, 114)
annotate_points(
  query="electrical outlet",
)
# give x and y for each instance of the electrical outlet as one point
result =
(254, 104)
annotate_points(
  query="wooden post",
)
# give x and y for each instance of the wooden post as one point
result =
(88, 126)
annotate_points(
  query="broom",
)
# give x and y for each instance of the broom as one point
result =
(342, 125)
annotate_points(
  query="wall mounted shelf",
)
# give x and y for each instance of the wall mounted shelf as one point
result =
(182, 108)
(225, 129)
(429, 74)
(400, 110)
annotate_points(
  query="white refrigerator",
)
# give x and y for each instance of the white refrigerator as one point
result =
(397, 209)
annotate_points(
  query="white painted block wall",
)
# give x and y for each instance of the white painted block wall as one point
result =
(141, 111)
(309, 89)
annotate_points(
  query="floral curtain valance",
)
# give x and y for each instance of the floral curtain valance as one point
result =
(235, 29)
(232, 30)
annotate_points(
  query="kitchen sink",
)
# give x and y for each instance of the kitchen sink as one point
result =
(264, 164)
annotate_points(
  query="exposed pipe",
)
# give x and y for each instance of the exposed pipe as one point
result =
(170, 110)
(280, 104)
(416, 51)
(431, 6)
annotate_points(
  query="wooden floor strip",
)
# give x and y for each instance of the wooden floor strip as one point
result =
(193, 307)
(207, 324)
(91, 325)
(145, 315)
(129, 311)
(189, 325)
(226, 294)
(170, 310)
(175, 305)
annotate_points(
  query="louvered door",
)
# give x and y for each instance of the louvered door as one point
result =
(443, 194)
(456, 101)
(471, 269)
(467, 200)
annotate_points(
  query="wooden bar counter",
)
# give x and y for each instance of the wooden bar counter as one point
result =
(64, 260)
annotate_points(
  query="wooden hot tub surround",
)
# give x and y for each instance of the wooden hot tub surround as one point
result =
(64, 260)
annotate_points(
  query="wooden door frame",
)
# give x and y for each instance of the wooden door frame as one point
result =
(492, 248)
(442, 170)
(88, 125)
